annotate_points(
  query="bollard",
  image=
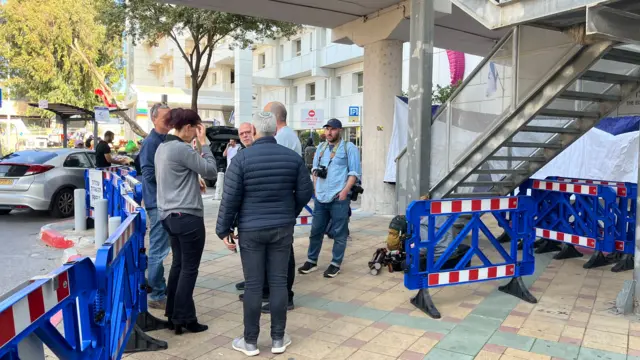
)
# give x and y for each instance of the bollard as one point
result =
(79, 210)
(217, 195)
(114, 222)
(101, 219)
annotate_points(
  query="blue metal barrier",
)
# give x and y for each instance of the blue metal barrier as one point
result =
(25, 315)
(424, 270)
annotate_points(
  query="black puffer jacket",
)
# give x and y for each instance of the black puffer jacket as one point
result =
(267, 185)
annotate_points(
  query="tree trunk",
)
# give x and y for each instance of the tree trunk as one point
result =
(132, 123)
(194, 92)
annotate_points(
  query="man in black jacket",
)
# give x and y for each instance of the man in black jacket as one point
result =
(266, 186)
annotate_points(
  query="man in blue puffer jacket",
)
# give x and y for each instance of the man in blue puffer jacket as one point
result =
(266, 186)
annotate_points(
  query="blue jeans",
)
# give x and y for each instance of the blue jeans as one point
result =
(338, 213)
(158, 251)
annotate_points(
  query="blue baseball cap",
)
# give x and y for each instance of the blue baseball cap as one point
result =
(334, 123)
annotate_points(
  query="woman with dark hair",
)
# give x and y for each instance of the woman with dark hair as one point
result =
(181, 211)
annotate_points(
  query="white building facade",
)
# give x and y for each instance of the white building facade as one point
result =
(316, 80)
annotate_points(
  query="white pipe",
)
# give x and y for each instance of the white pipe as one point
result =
(217, 195)
(114, 222)
(101, 218)
(80, 210)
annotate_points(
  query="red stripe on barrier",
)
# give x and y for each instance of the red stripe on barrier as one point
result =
(64, 290)
(513, 203)
(493, 272)
(454, 277)
(619, 245)
(561, 236)
(433, 279)
(7, 326)
(36, 304)
(436, 207)
(456, 206)
(591, 243)
(476, 205)
(495, 204)
(563, 187)
(473, 274)
(510, 270)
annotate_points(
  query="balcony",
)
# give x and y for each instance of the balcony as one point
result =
(297, 67)
(337, 55)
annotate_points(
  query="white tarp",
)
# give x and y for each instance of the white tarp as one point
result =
(398, 138)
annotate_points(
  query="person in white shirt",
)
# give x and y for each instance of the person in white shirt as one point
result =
(285, 136)
(231, 151)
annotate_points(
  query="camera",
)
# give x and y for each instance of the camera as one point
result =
(321, 172)
(355, 191)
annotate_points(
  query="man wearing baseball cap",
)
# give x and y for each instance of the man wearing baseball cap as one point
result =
(336, 168)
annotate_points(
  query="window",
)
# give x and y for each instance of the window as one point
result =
(337, 91)
(297, 47)
(294, 95)
(233, 77)
(326, 86)
(311, 92)
(214, 78)
(359, 82)
(281, 53)
(78, 160)
(262, 61)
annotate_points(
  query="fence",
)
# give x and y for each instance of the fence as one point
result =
(591, 214)
(103, 305)
(453, 267)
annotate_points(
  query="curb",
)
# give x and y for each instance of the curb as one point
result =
(51, 235)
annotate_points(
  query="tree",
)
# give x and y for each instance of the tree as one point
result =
(149, 21)
(37, 39)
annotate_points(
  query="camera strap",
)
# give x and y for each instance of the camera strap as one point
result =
(332, 155)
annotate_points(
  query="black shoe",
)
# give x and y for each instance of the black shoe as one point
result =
(264, 297)
(332, 271)
(265, 308)
(240, 286)
(307, 268)
(193, 327)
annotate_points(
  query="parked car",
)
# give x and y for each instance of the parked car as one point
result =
(219, 137)
(43, 179)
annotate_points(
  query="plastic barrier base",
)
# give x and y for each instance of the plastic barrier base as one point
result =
(504, 238)
(517, 288)
(547, 246)
(568, 252)
(148, 322)
(139, 342)
(625, 263)
(598, 259)
(423, 301)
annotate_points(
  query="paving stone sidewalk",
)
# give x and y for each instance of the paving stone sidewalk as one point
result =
(360, 316)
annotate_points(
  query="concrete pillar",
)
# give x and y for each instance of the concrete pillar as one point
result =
(243, 101)
(382, 82)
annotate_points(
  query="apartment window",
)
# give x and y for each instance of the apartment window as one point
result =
(359, 82)
(281, 53)
(337, 91)
(214, 78)
(233, 77)
(297, 47)
(262, 60)
(326, 88)
(311, 92)
(294, 95)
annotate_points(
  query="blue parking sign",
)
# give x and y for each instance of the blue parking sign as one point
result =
(354, 111)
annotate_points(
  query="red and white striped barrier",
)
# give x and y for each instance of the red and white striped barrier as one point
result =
(619, 187)
(565, 187)
(118, 244)
(29, 309)
(567, 238)
(121, 339)
(474, 205)
(304, 220)
(464, 276)
(131, 206)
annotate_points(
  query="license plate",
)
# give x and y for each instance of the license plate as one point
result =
(6, 181)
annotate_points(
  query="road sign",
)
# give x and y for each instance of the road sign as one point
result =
(354, 114)
(43, 104)
(312, 118)
(102, 114)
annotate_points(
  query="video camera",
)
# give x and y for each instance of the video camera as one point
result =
(321, 172)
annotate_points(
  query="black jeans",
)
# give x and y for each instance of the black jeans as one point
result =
(186, 235)
(265, 252)
(291, 276)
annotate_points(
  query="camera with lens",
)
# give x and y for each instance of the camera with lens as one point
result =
(321, 172)
(355, 191)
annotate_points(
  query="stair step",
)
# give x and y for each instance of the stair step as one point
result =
(472, 195)
(624, 56)
(487, 183)
(587, 96)
(532, 145)
(569, 113)
(550, 130)
(518, 158)
(502, 171)
(608, 78)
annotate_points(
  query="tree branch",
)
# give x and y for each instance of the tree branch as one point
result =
(184, 55)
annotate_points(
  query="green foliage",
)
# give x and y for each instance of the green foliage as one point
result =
(149, 21)
(440, 94)
(304, 136)
(36, 41)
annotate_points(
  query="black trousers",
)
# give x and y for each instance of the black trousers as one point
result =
(187, 236)
(291, 277)
(265, 255)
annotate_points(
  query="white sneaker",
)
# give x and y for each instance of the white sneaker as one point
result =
(248, 349)
(280, 346)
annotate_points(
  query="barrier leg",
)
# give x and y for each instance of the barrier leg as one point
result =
(517, 288)
(625, 263)
(423, 301)
(139, 342)
(148, 322)
(597, 259)
(547, 246)
(568, 252)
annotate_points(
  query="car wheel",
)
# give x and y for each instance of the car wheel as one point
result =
(4, 212)
(210, 183)
(63, 204)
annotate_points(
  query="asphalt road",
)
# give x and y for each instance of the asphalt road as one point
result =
(22, 255)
